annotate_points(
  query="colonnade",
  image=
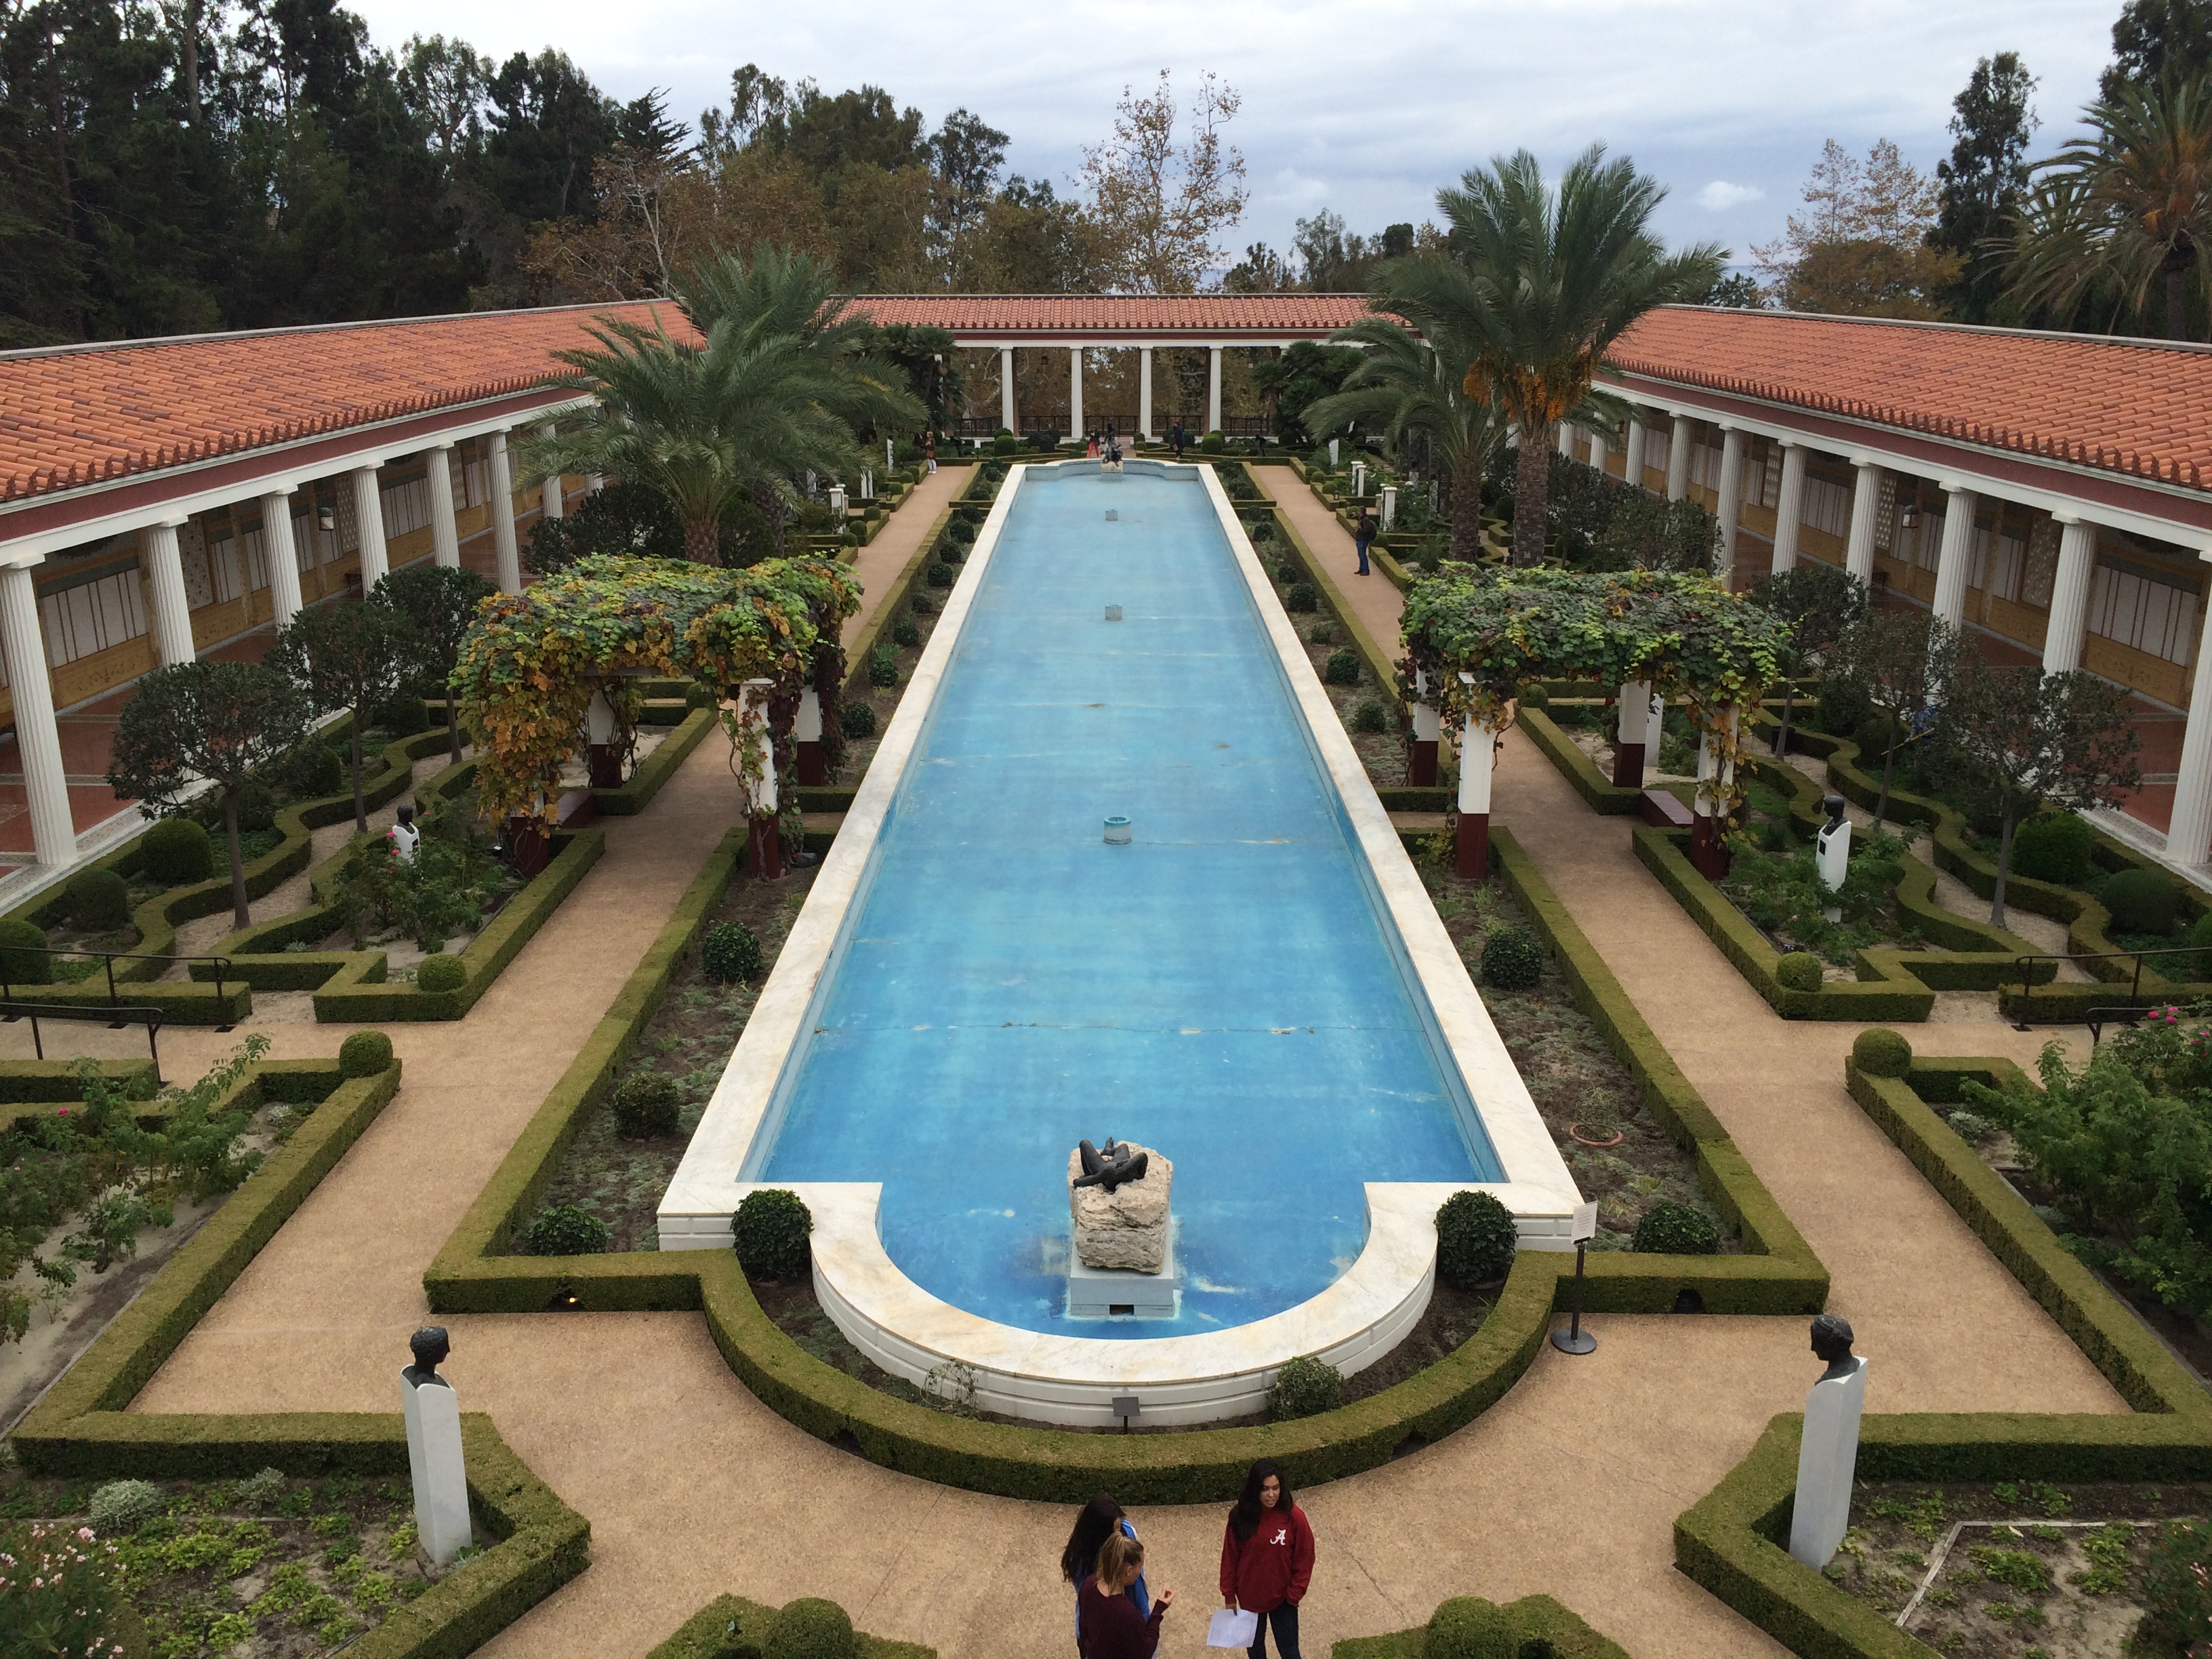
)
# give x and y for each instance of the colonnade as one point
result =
(1010, 411)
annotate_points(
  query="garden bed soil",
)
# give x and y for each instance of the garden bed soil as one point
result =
(884, 699)
(1382, 753)
(2024, 1578)
(327, 1561)
(689, 1038)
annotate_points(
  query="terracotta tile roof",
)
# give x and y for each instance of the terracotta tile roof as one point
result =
(2142, 409)
(82, 415)
(1118, 313)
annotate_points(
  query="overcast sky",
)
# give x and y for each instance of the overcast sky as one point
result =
(1366, 108)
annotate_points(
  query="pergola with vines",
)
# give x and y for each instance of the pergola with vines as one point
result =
(760, 639)
(1474, 638)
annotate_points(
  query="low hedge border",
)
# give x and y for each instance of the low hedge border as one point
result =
(1382, 668)
(82, 1428)
(1534, 1618)
(1731, 1541)
(731, 1627)
(895, 603)
(650, 774)
(1598, 792)
(1777, 1273)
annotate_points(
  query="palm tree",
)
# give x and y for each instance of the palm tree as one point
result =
(1541, 284)
(1412, 383)
(2120, 212)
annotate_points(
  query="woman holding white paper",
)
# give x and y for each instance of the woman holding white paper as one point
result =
(1267, 1559)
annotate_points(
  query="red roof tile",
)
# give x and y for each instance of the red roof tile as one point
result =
(1118, 313)
(2137, 407)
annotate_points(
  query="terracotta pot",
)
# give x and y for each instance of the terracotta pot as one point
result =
(1581, 1135)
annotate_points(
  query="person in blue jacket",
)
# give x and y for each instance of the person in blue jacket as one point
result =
(1095, 1522)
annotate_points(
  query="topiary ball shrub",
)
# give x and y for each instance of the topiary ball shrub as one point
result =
(1475, 1239)
(696, 696)
(646, 1104)
(960, 532)
(770, 1231)
(1343, 668)
(1006, 444)
(1305, 1387)
(940, 574)
(2141, 902)
(1302, 597)
(2058, 847)
(176, 852)
(1671, 1229)
(259, 1494)
(365, 1053)
(1469, 1628)
(903, 632)
(1512, 959)
(257, 803)
(315, 771)
(883, 667)
(441, 972)
(810, 1629)
(1880, 1052)
(1212, 443)
(1533, 695)
(97, 900)
(859, 720)
(921, 606)
(123, 1506)
(1841, 710)
(23, 958)
(564, 1230)
(1370, 716)
(1799, 971)
(402, 717)
(730, 951)
(1872, 735)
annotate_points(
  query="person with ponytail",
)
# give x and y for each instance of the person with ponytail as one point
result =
(1109, 1625)
(1267, 1559)
(1095, 1522)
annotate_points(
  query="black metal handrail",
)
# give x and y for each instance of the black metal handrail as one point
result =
(108, 959)
(144, 1013)
(2026, 964)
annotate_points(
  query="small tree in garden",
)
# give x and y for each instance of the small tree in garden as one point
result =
(441, 602)
(2027, 740)
(213, 722)
(349, 656)
(1902, 661)
(1819, 604)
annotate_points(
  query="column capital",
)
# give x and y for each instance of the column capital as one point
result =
(1790, 444)
(1864, 461)
(1954, 487)
(172, 521)
(444, 445)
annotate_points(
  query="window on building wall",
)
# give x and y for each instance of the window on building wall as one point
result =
(2152, 613)
(92, 612)
(223, 551)
(257, 555)
(406, 505)
(1927, 541)
(1655, 440)
(1828, 506)
(2000, 559)
(307, 539)
(474, 474)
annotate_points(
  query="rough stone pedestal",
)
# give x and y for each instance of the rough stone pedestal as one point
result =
(1126, 1228)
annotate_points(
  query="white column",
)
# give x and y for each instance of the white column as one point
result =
(37, 739)
(1600, 441)
(2069, 595)
(1678, 460)
(1866, 502)
(1075, 392)
(444, 528)
(548, 492)
(1213, 388)
(1006, 390)
(1567, 440)
(1957, 553)
(368, 518)
(595, 482)
(2190, 830)
(1145, 391)
(1790, 509)
(1477, 759)
(282, 556)
(1731, 504)
(165, 587)
(501, 486)
(1632, 472)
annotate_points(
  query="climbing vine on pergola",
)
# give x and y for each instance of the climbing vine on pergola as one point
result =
(531, 663)
(1685, 634)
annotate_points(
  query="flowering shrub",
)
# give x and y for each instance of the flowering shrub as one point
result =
(57, 1591)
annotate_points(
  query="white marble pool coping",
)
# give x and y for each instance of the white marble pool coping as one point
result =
(1071, 1379)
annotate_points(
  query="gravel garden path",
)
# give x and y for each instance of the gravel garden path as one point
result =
(1568, 1486)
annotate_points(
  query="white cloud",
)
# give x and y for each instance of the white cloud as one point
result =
(1720, 195)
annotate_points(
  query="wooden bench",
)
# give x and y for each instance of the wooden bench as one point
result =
(1662, 810)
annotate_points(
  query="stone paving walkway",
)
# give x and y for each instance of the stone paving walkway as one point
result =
(1569, 1486)
(881, 559)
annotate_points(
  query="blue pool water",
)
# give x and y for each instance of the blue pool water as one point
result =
(1227, 988)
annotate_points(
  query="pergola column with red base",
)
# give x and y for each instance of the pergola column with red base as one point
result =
(1631, 734)
(1708, 814)
(767, 843)
(602, 759)
(1428, 729)
(807, 732)
(1478, 753)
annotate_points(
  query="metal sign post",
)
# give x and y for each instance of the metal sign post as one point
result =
(1575, 1339)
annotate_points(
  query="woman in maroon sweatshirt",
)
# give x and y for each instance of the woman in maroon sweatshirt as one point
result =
(1107, 1623)
(1267, 1559)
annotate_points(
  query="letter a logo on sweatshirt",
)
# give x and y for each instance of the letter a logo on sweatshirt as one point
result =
(1282, 1535)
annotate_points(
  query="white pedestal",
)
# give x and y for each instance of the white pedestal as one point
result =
(433, 1458)
(1111, 1293)
(1826, 1461)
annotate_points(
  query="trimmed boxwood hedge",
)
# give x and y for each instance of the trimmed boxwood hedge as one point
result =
(1532, 1620)
(1776, 1273)
(1731, 1541)
(1380, 665)
(876, 628)
(635, 793)
(731, 1627)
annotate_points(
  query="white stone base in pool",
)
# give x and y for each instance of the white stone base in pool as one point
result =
(1071, 1379)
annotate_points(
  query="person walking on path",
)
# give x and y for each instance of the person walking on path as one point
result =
(1095, 1522)
(1363, 534)
(929, 451)
(1175, 437)
(1109, 1625)
(1267, 1559)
